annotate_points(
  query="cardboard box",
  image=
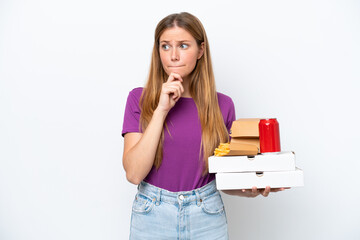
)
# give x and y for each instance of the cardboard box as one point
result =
(283, 161)
(240, 149)
(244, 137)
(245, 127)
(226, 181)
(246, 140)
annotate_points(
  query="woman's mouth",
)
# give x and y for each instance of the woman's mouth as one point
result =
(176, 66)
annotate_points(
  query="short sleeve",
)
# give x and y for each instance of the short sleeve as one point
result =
(132, 113)
(231, 115)
(227, 108)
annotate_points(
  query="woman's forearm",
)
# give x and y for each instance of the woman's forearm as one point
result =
(139, 159)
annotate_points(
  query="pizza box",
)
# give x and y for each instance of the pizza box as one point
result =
(282, 161)
(246, 180)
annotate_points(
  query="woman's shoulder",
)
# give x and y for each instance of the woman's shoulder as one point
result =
(136, 92)
(133, 98)
(227, 108)
(224, 99)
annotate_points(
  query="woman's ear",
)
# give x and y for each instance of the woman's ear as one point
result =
(201, 50)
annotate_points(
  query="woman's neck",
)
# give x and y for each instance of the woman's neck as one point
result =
(185, 84)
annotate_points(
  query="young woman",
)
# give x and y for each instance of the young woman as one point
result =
(170, 129)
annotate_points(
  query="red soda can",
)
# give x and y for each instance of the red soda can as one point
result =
(269, 135)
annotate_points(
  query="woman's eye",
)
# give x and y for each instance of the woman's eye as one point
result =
(184, 46)
(165, 47)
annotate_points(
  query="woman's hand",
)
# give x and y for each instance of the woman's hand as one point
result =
(254, 192)
(171, 92)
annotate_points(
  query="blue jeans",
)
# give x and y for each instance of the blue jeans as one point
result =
(161, 214)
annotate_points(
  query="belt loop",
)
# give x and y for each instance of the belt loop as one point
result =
(198, 198)
(158, 197)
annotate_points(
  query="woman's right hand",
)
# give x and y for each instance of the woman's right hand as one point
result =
(171, 92)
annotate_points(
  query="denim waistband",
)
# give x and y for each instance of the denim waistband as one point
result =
(161, 195)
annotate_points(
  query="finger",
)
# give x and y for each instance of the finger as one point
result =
(266, 191)
(171, 78)
(177, 77)
(178, 89)
(174, 77)
(173, 92)
(178, 85)
(167, 91)
(182, 88)
(170, 90)
(254, 191)
(243, 190)
(277, 189)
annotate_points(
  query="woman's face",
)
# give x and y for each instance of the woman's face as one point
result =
(179, 51)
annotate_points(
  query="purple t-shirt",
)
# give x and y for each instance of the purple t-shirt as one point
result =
(181, 167)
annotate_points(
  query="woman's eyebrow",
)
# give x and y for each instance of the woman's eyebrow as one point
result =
(165, 41)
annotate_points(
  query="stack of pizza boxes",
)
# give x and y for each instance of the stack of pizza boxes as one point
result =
(244, 166)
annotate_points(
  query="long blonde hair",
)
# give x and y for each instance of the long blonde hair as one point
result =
(201, 86)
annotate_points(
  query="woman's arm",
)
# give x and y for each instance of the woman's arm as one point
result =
(254, 192)
(140, 148)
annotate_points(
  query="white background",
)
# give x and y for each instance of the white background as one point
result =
(66, 68)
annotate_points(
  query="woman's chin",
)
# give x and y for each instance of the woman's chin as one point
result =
(177, 72)
(181, 73)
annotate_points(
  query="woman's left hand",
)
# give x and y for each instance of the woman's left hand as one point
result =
(254, 192)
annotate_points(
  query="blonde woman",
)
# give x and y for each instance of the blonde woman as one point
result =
(170, 129)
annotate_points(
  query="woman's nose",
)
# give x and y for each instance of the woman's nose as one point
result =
(174, 55)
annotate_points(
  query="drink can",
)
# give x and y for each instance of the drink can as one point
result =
(269, 135)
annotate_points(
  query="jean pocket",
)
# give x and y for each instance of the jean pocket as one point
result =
(142, 204)
(213, 204)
